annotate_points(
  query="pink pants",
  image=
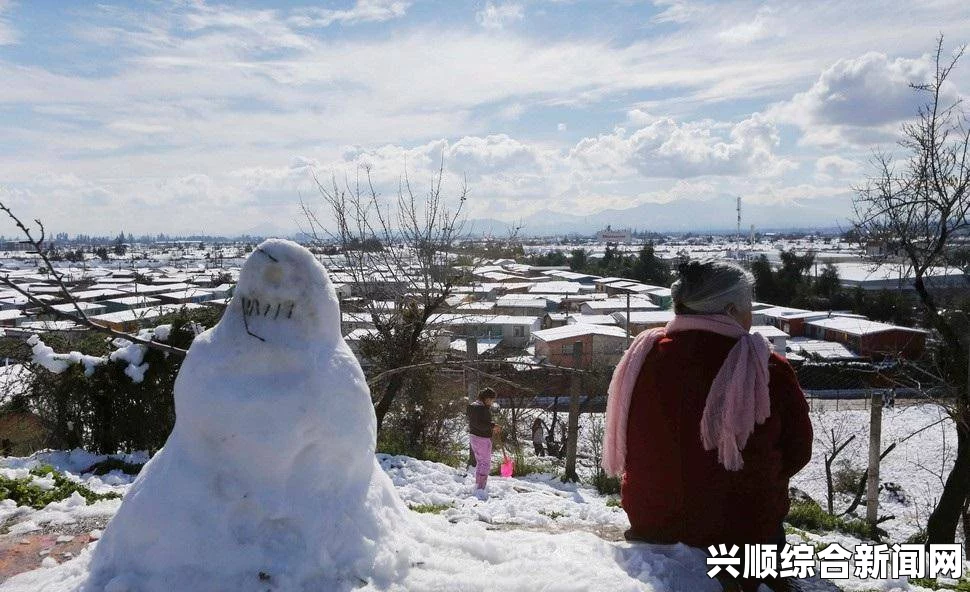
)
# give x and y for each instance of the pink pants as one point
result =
(482, 449)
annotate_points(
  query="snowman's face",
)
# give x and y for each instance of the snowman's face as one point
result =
(284, 292)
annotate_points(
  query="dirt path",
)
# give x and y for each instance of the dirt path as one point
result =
(25, 552)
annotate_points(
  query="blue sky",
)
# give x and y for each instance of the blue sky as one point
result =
(185, 116)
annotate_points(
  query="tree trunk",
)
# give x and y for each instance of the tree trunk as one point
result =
(393, 387)
(942, 525)
(575, 389)
(966, 528)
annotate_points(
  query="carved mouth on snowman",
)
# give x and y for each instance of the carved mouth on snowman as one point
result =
(254, 307)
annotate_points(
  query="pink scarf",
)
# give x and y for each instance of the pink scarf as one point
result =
(737, 401)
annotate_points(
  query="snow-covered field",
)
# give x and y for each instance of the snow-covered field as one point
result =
(919, 463)
(532, 532)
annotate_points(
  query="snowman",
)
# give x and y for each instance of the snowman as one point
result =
(268, 480)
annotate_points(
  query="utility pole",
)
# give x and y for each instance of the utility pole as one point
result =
(572, 429)
(739, 227)
(875, 449)
(471, 378)
(628, 317)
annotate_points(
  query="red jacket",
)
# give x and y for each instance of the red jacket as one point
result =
(675, 491)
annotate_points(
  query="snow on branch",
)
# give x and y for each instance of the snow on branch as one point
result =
(131, 353)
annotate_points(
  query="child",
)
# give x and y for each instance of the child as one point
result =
(537, 429)
(481, 428)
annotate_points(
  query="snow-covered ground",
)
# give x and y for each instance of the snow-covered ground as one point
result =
(918, 464)
(531, 533)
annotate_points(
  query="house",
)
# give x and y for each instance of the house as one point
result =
(95, 295)
(126, 303)
(130, 320)
(603, 319)
(828, 351)
(609, 306)
(11, 318)
(775, 336)
(790, 320)
(894, 276)
(189, 296)
(642, 320)
(88, 308)
(869, 338)
(601, 345)
(521, 306)
(559, 287)
(555, 319)
(512, 331)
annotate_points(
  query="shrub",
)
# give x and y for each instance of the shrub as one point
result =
(107, 412)
(846, 478)
(604, 484)
(24, 492)
(114, 464)
(430, 508)
(808, 515)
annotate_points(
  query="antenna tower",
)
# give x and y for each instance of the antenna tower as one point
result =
(739, 226)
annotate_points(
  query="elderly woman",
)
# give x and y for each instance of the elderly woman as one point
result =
(704, 423)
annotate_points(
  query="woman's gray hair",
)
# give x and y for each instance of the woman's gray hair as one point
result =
(709, 286)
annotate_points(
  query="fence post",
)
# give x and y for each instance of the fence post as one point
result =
(875, 449)
(572, 433)
(471, 378)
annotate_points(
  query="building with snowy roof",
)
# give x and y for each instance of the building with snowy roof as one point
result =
(601, 345)
(869, 338)
(775, 336)
(190, 296)
(512, 331)
(95, 295)
(558, 287)
(642, 320)
(595, 319)
(828, 351)
(89, 308)
(523, 307)
(129, 303)
(634, 303)
(130, 320)
(11, 318)
(895, 276)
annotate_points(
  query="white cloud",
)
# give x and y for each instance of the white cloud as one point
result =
(674, 11)
(859, 100)
(836, 167)
(364, 11)
(665, 148)
(8, 34)
(499, 16)
(234, 94)
(763, 26)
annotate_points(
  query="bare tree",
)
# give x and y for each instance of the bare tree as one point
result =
(397, 253)
(919, 207)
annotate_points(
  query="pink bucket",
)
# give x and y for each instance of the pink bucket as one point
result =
(507, 466)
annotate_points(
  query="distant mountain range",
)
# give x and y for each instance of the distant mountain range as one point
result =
(698, 216)
(716, 216)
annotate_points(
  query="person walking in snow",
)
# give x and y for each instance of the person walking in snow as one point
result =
(481, 429)
(704, 423)
(538, 428)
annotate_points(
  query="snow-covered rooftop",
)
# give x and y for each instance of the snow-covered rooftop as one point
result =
(856, 326)
(577, 330)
